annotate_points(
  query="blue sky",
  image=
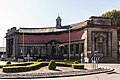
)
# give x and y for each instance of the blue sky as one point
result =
(42, 13)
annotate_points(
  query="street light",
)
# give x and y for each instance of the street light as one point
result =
(23, 44)
(3, 47)
(69, 42)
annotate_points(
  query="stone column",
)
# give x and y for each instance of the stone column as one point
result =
(114, 44)
(105, 48)
(109, 44)
(14, 41)
(93, 42)
(17, 53)
(14, 46)
(7, 47)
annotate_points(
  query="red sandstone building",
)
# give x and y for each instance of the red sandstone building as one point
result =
(96, 34)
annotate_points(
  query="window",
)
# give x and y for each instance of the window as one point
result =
(77, 48)
(65, 49)
(71, 49)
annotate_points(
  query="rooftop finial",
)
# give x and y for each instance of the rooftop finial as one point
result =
(58, 21)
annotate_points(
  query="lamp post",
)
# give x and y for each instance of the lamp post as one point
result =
(3, 48)
(23, 44)
(69, 43)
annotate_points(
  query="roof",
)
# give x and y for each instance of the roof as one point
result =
(61, 37)
(50, 29)
(39, 30)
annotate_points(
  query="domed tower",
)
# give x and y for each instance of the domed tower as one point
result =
(58, 22)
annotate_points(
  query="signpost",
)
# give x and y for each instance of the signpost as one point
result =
(86, 60)
(95, 60)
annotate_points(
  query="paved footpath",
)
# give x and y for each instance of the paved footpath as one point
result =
(103, 76)
(115, 75)
(4, 62)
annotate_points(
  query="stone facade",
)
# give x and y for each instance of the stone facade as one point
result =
(95, 34)
(104, 41)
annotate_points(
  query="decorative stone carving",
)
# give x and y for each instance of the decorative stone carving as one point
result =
(100, 42)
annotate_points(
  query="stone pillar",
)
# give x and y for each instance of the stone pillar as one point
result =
(114, 44)
(109, 44)
(105, 48)
(14, 44)
(7, 47)
(93, 42)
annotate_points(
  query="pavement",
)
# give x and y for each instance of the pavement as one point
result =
(72, 77)
(4, 62)
(115, 75)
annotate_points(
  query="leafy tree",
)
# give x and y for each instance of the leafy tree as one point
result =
(115, 15)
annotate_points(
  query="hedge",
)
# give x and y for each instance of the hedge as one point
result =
(63, 64)
(20, 64)
(22, 67)
(34, 66)
(76, 62)
(77, 66)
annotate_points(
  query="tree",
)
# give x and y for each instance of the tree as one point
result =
(114, 15)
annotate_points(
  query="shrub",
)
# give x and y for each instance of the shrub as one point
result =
(52, 65)
(1, 66)
(8, 62)
(77, 66)
(76, 62)
(39, 60)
